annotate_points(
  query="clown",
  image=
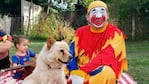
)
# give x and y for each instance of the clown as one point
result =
(98, 49)
(5, 45)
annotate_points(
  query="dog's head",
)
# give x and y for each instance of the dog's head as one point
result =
(57, 52)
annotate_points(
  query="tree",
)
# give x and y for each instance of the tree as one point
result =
(130, 16)
(10, 7)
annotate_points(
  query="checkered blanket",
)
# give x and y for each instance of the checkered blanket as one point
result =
(6, 76)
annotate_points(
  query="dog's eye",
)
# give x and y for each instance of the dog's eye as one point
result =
(62, 51)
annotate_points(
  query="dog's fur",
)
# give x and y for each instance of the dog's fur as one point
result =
(50, 64)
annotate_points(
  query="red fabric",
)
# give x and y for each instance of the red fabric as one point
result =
(0, 38)
(92, 42)
(9, 38)
(89, 41)
(105, 57)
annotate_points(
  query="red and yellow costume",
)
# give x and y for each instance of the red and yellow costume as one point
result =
(99, 55)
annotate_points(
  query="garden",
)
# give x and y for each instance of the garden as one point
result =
(130, 16)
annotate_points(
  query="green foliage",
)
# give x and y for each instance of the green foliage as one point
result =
(52, 25)
(121, 10)
(7, 1)
(126, 11)
(70, 1)
(123, 13)
(10, 7)
(144, 9)
(85, 3)
(56, 5)
(42, 3)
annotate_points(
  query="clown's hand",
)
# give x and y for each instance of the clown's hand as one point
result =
(76, 79)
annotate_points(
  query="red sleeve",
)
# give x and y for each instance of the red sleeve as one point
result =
(9, 38)
(105, 57)
(1, 38)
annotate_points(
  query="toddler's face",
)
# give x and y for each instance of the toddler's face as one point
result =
(23, 46)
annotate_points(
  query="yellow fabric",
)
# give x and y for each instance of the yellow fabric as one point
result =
(96, 4)
(4, 38)
(124, 67)
(107, 76)
(83, 60)
(118, 45)
(79, 73)
(76, 46)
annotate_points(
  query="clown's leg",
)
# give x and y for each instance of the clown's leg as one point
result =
(107, 76)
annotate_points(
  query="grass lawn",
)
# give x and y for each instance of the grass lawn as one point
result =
(138, 59)
(34, 46)
(137, 54)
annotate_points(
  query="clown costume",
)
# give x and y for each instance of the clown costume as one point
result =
(98, 49)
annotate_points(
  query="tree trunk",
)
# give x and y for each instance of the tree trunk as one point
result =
(15, 25)
(22, 15)
(133, 28)
(29, 20)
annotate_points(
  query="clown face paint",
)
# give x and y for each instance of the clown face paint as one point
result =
(98, 16)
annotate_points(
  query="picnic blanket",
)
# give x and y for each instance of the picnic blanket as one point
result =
(126, 79)
(7, 76)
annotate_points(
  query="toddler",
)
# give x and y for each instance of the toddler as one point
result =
(22, 54)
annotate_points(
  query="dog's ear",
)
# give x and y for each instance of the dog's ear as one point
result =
(50, 42)
(66, 40)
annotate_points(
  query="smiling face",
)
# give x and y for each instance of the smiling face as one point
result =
(97, 17)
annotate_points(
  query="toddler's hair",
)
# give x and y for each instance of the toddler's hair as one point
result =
(18, 39)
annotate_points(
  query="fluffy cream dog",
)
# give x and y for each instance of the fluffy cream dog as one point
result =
(50, 64)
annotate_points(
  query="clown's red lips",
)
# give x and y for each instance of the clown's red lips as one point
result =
(98, 21)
